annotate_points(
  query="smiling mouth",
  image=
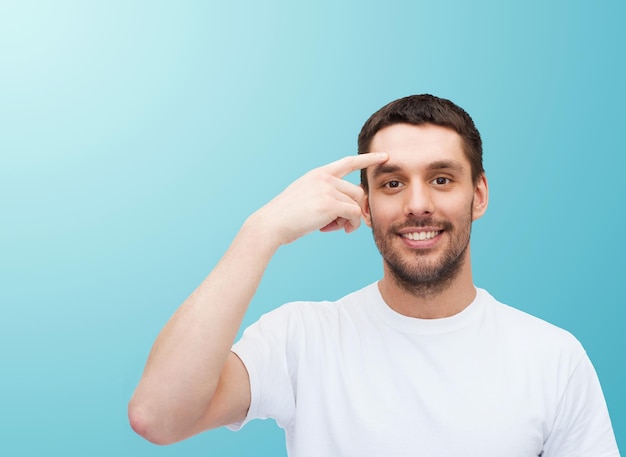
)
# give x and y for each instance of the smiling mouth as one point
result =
(419, 236)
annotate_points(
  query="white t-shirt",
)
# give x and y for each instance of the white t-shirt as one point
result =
(355, 378)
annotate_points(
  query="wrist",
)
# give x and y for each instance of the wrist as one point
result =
(262, 231)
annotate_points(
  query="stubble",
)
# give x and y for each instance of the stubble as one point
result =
(416, 271)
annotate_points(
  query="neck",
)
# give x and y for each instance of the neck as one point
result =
(430, 301)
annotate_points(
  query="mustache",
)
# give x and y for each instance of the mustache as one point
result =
(420, 222)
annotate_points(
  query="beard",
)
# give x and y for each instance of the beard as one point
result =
(417, 271)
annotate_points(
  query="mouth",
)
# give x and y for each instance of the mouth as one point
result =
(421, 236)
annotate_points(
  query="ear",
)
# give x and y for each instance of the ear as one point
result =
(365, 209)
(481, 197)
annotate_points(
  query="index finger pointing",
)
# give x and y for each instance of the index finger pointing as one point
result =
(342, 167)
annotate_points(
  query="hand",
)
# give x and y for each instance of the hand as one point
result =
(319, 200)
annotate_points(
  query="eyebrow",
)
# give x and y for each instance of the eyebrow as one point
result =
(447, 165)
(387, 168)
(384, 169)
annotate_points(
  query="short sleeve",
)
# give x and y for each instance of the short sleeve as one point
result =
(582, 426)
(264, 350)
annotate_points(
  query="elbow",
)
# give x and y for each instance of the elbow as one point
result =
(147, 425)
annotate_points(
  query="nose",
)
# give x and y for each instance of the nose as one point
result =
(418, 200)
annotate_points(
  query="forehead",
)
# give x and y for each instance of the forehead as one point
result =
(415, 146)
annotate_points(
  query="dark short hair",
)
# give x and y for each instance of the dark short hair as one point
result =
(425, 109)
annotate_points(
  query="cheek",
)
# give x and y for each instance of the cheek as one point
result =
(381, 213)
(450, 202)
(460, 208)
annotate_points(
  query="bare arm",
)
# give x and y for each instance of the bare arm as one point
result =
(192, 382)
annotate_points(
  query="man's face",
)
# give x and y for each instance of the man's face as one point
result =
(421, 204)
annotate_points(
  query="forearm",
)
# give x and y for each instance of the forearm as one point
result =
(177, 392)
(185, 363)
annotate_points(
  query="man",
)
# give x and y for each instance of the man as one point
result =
(420, 363)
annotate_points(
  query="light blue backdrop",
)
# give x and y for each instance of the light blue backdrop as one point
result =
(135, 137)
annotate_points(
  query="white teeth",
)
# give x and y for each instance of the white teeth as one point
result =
(420, 235)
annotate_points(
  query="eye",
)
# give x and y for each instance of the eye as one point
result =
(393, 184)
(441, 181)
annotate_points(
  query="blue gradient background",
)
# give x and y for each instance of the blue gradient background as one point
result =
(135, 138)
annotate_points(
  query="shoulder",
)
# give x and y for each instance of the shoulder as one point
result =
(313, 320)
(530, 332)
(307, 313)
